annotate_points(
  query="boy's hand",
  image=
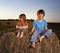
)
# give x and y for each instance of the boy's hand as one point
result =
(20, 27)
(31, 33)
(16, 26)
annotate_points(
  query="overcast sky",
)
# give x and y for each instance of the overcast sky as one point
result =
(11, 9)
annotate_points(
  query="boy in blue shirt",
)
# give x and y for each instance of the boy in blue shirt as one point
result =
(39, 28)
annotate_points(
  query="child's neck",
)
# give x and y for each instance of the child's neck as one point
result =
(40, 20)
(22, 20)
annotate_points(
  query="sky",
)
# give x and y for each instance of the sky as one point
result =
(11, 9)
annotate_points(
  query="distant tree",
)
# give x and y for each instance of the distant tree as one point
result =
(8, 23)
(0, 24)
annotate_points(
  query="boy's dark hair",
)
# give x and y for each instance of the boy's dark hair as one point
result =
(22, 16)
(41, 11)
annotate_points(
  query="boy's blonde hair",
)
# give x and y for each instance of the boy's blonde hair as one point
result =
(22, 16)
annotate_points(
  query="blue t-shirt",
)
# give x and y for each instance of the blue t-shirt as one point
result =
(40, 25)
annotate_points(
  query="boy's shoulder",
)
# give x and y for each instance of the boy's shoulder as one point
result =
(36, 20)
(44, 20)
(26, 21)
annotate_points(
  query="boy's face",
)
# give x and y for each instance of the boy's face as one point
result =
(40, 16)
(21, 19)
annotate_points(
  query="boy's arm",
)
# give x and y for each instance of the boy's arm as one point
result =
(32, 30)
(46, 27)
(24, 27)
(19, 27)
(34, 25)
(46, 24)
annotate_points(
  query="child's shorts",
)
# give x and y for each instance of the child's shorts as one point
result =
(23, 30)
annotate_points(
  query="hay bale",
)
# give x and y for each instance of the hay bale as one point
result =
(9, 43)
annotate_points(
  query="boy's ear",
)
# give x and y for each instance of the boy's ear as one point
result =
(37, 14)
(43, 16)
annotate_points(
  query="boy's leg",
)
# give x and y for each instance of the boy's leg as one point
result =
(24, 31)
(34, 37)
(18, 34)
(46, 33)
(21, 35)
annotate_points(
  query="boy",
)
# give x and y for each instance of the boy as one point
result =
(39, 28)
(22, 25)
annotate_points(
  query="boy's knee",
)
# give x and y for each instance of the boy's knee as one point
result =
(50, 30)
(48, 33)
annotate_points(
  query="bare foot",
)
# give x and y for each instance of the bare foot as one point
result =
(41, 38)
(33, 45)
